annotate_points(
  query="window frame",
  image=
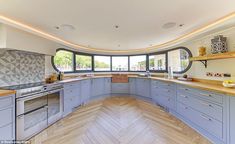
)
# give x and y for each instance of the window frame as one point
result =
(101, 55)
(190, 62)
(128, 62)
(53, 64)
(166, 59)
(84, 54)
(146, 55)
(129, 70)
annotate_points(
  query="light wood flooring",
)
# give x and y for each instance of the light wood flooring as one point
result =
(119, 120)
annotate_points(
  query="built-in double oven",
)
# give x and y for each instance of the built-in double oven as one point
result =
(35, 112)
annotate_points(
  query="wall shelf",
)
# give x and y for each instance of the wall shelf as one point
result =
(204, 59)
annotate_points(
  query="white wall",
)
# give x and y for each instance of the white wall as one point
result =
(21, 40)
(221, 66)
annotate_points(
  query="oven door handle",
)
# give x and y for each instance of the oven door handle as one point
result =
(31, 97)
(39, 108)
(54, 91)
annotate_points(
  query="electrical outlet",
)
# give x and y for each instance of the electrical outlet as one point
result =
(218, 75)
(209, 74)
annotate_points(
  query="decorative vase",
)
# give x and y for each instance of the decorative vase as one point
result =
(202, 51)
(219, 44)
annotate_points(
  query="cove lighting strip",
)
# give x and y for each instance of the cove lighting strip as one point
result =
(31, 29)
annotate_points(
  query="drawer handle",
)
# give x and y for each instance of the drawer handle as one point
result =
(185, 107)
(209, 95)
(184, 89)
(206, 104)
(206, 118)
(169, 99)
(184, 96)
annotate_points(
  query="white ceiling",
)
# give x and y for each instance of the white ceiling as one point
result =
(140, 21)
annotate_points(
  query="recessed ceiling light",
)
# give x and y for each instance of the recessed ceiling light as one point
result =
(169, 25)
(57, 27)
(181, 25)
(116, 26)
(67, 27)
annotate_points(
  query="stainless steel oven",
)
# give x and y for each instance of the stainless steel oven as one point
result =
(36, 111)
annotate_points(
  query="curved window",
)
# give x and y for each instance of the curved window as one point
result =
(63, 61)
(138, 63)
(102, 63)
(70, 61)
(178, 60)
(83, 62)
(119, 63)
(157, 62)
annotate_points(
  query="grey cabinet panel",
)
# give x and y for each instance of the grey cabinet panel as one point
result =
(6, 132)
(6, 101)
(97, 87)
(107, 86)
(143, 87)
(232, 120)
(85, 90)
(120, 88)
(6, 116)
(132, 86)
(72, 97)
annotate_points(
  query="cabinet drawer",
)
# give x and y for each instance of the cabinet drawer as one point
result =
(6, 132)
(122, 88)
(154, 83)
(166, 85)
(6, 116)
(166, 92)
(208, 108)
(6, 101)
(165, 101)
(214, 97)
(205, 122)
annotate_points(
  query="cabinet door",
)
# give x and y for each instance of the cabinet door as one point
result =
(97, 87)
(132, 86)
(232, 120)
(142, 87)
(85, 90)
(107, 86)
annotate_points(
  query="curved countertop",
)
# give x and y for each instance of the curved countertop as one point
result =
(194, 84)
(6, 92)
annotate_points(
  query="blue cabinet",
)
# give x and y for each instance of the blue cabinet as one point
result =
(120, 88)
(72, 97)
(232, 120)
(97, 87)
(107, 86)
(7, 120)
(143, 87)
(205, 111)
(164, 94)
(132, 86)
(85, 91)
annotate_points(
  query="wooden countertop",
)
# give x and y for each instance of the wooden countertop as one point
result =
(200, 85)
(83, 78)
(6, 92)
(194, 84)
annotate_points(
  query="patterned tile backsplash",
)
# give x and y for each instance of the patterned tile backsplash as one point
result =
(17, 67)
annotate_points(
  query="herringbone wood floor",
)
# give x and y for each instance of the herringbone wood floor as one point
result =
(119, 120)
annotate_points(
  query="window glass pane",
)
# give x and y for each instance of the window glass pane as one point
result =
(157, 62)
(83, 62)
(63, 61)
(119, 63)
(138, 63)
(102, 63)
(178, 60)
